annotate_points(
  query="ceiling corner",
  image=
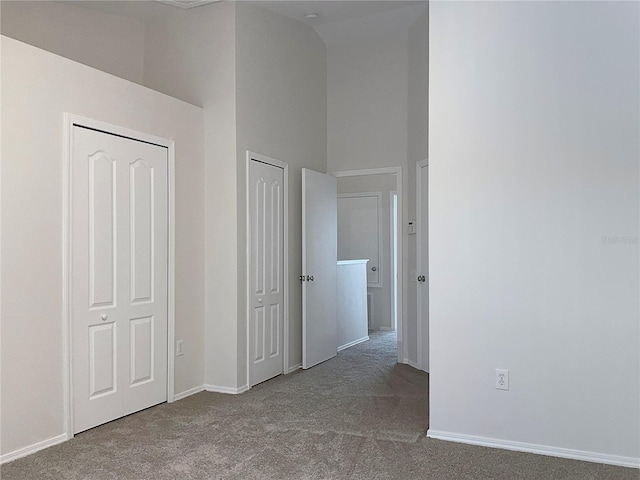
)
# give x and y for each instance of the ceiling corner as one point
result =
(186, 4)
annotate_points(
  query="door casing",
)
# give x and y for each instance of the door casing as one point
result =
(67, 281)
(285, 347)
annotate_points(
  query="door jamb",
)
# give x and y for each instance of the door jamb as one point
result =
(285, 327)
(402, 240)
(419, 206)
(70, 120)
(393, 245)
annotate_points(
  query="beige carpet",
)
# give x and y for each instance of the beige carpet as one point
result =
(358, 416)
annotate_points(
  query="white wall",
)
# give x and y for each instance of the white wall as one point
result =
(191, 55)
(351, 303)
(32, 163)
(367, 92)
(281, 112)
(534, 187)
(417, 150)
(385, 184)
(261, 79)
(109, 43)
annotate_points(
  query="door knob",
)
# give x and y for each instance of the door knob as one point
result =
(259, 300)
(422, 278)
(373, 269)
(310, 278)
(104, 316)
(302, 278)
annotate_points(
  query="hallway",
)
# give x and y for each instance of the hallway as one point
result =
(359, 415)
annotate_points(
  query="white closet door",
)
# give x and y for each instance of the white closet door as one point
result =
(266, 260)
(319, 268)
(119, 267)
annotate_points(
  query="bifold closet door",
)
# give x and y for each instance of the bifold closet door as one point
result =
(119, 242)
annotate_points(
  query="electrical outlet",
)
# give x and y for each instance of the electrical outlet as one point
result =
(179, 348)
(502, 379)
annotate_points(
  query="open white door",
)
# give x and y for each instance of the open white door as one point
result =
(319, 257)
(422, 199)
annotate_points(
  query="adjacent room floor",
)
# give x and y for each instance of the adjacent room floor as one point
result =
(357, 416)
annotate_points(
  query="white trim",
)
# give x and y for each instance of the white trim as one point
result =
(352, 262)
(419, 317)
(285, 347)
(379, 266)
(535, 448)
(67, 395)
(371, 318)
(385, 329)
(393, 257)
(67, 281)
(36, 447)
(355, 342)
(294, 368)
(188, 393)
(171, 272)
(228, 390)
(411, 364)
(402, 243)
(367, 171)
(187, 4)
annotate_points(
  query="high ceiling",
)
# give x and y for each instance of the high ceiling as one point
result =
(333, 11)
(328, 11)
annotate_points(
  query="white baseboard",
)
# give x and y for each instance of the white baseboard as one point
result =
(412, 364)
(538, 449)
(188, 393)
(36, 447)
(230, 390)
(355, 342)
(293, 369)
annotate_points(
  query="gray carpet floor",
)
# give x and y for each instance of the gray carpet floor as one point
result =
(357, 416)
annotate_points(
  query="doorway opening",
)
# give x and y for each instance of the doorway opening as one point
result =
(369, 212)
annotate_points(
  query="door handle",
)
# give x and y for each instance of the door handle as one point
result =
(373, 269)
(104, 317)
(310, 278)
(422, 278)
(302, 278)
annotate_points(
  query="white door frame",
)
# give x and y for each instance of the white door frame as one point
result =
(397, 171)
(393, 257)
(419, 207)
(285, 327)
(70, 120)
